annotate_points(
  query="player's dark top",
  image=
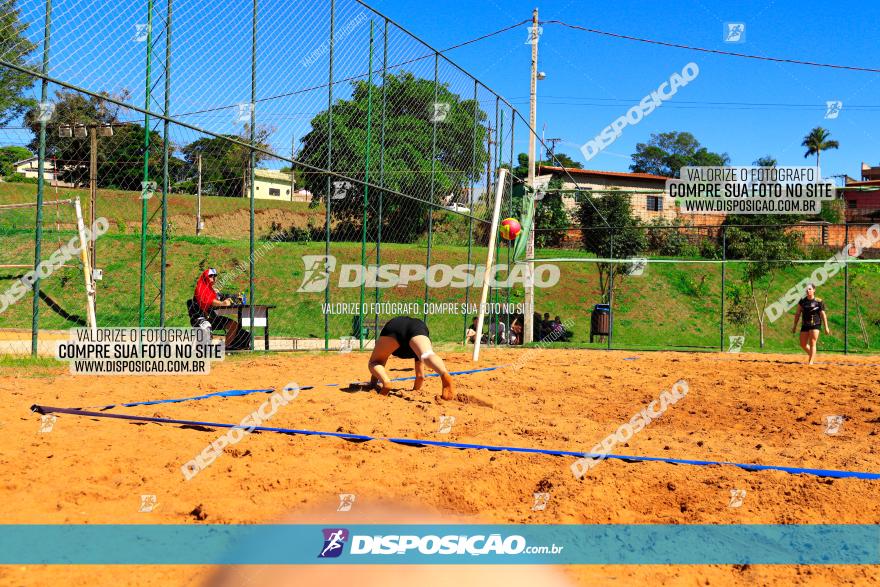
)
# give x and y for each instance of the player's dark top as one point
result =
(811, 310)
(403, 328)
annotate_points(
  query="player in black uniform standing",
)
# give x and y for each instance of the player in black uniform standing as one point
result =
(812, 310)
(407, 338)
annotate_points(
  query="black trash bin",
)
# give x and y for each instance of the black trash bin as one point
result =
(600, 321)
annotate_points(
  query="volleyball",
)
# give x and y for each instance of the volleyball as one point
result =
(510, 228)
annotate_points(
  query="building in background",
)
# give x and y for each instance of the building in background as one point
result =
(645, 207)
(862, 197)
(28, 168)
(276, 185)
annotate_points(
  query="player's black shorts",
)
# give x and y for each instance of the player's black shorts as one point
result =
(403, 329)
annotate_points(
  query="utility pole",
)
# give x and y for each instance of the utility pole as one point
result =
(529, 313)
(199, 223)
(551, 152)
(80, 131)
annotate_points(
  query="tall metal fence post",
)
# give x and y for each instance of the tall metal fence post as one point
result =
(251, 296)
(41, 164)
(471, 205)
(366, 188)
(433, 182)
(723, 282)
(329, 176)
(165, 128)
(381, 170)
(611, 291)
(146, 176)
(846, 293)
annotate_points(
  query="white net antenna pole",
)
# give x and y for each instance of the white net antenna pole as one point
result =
(84, 251)
(490, 260)
(87, 270)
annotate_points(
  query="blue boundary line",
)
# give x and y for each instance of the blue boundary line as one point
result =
(464, 446)
(243, 392)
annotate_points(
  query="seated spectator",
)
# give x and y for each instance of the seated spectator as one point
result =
(516, 331)
(471, 335)
(207, 298)
(546, 326)
(497, 333)
(558, 328)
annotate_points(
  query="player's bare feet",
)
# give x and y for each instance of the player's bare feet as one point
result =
(448, 387)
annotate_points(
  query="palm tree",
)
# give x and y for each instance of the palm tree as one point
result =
(765, 161)
(817, 141)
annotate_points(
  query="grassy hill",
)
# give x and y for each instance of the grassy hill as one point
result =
(669, 306)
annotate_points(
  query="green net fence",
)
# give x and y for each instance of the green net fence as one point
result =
(271, 141)
(304, 149)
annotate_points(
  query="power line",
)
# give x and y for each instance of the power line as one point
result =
(616, 102)
(715, 51)
(498, 32)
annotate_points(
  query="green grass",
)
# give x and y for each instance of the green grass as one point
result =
(670, 306)
(31, 366)
(123, 209)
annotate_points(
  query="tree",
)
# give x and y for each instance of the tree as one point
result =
(737, 311)
(521, 171)
(765, 161)
(764, 241)
(666, 153)
(623, 239)
(407, 155)
(14, 48)
(831, 212)
(121, 158)
(71, 108)
(561, 159)
(817, 141)
(552, 219)
(298, 175)
(225, 162)
(10, 155)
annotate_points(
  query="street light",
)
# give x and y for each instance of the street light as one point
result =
(93, 131)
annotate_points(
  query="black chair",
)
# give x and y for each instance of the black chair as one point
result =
(197, 318)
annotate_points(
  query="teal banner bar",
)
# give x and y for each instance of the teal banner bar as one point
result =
(824, 544)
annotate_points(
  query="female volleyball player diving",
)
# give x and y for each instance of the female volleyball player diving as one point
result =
(407, 338)
(812, 312)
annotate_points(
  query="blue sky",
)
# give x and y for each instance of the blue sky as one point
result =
(743, 107)
(591, 80)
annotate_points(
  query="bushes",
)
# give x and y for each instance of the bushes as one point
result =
(673, 240)
(19, 178)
